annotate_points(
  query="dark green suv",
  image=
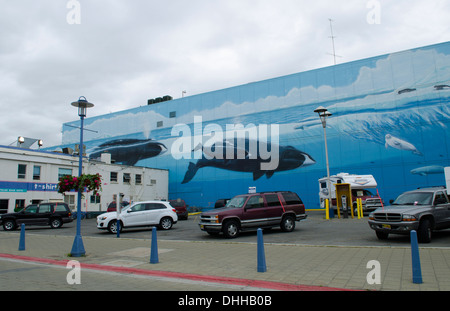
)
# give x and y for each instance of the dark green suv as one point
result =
(54, 214)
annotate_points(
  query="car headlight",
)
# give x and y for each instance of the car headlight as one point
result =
(371, 217)
(102, 218)
(407, 217)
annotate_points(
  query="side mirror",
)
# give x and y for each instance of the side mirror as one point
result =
(391, 201)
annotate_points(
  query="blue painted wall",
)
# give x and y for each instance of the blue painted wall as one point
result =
(390, 119)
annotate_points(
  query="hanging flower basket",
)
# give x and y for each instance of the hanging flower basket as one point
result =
(85, 183)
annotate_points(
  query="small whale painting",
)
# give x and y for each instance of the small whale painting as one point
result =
(397, 143)
(129, 151)
(427, 170)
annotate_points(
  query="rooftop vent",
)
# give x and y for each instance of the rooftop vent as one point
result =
(159, 100)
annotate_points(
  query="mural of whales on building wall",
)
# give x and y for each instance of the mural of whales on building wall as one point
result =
(289, 158)
(129, 151)
(397, 143)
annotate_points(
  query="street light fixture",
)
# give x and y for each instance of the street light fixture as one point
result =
(20, 140)
(323, 115)
(78, 248)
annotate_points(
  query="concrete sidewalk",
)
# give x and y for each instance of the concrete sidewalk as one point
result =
(289, 266)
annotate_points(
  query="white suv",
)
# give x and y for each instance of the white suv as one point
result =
(140, 214)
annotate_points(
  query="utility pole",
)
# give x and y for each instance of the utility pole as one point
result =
(332, 40)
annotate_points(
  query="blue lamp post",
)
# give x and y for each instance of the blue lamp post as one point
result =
(78, 248)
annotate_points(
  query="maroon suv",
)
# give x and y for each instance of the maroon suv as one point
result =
(253, 211)
(180, 207)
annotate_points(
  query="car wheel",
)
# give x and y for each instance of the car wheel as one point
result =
(9, 225)
(112, 226)
(287, 224)
(382, 235)
(424, 232)
(231, 229)
(55, 223)
(166, 223)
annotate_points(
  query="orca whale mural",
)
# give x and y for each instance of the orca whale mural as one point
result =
(129, 151)
(289, 158)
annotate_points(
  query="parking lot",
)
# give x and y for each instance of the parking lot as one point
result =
(315, 230)
(319, 253)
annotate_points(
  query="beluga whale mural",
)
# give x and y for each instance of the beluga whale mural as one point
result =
(397, 143)
(129, 151)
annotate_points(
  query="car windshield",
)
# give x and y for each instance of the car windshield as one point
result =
(236, 202)
(361, 193)
(414, 198)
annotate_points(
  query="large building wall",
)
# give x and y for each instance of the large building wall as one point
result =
(390, 119)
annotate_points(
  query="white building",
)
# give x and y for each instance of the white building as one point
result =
(31, 176)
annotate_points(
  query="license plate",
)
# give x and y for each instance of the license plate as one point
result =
(386, 226)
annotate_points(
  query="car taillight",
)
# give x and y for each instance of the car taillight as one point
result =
(174, 210)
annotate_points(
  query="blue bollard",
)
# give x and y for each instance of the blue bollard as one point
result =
(22, 238)
(261, 256)
(154, 249)
(118, 228)
(416, 269)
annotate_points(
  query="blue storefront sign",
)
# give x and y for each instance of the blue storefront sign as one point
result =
(12, 186)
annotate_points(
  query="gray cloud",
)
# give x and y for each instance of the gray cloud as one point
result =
(125, 52)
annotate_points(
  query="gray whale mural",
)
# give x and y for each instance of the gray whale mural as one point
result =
(289, 158)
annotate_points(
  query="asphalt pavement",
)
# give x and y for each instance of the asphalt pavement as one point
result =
(204, 263)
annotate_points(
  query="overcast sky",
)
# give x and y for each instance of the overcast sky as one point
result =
(119, 53)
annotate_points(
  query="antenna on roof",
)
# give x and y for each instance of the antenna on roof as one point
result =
(332, 41)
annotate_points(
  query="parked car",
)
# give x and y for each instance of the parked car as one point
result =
(423, 210)
(181, 208)
(54, 214)
(140, 214)
(112, 206)
(253, 211)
